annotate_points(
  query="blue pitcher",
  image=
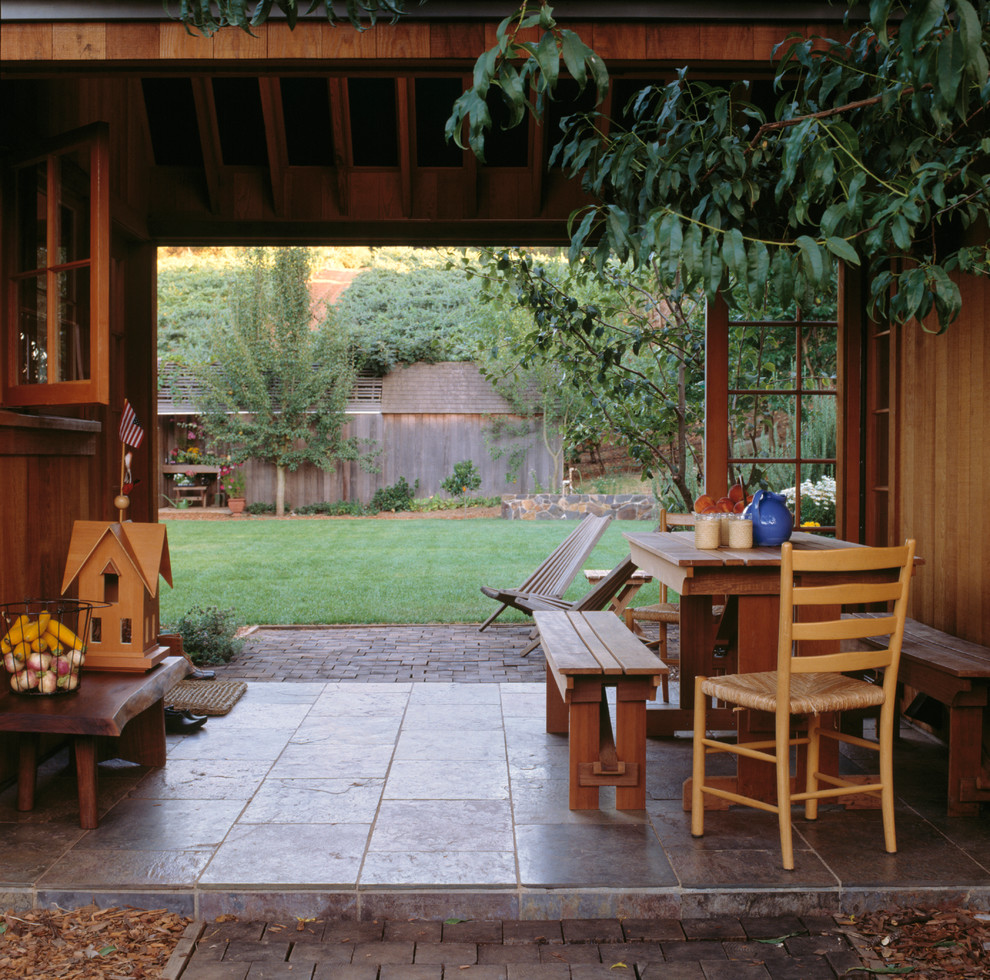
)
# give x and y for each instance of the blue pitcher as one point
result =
(772, 521)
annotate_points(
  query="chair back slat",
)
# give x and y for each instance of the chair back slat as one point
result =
(849, 561)
(558, 570)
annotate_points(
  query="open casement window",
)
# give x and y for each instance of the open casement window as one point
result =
(771, 413)
(57, 269)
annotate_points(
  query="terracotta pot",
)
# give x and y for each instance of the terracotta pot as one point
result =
(237, 504)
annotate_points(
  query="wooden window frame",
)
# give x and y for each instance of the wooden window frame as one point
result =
(94, 140)
(718, 457)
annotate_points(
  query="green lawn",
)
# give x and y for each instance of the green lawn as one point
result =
(366, 571)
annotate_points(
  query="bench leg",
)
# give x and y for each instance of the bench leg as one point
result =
(583, 745)
(630, 743)
(86, 780)
(965, 741)
(556, 708)
(143, 737)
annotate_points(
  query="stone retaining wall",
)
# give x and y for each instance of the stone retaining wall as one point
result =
(573, 506)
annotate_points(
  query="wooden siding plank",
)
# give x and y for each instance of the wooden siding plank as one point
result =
(620, 42)
(26, 42)
(305, 41)
(402, 40)
(174, 42)
(346, 42)
(678, 42)
(82, 42)
(233, 44)
(456, 40)
(726, 42)
(133, 42)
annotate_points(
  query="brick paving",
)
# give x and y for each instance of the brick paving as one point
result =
(456, 653)
(770, 948)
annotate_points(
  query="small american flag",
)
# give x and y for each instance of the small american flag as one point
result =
(131, 433)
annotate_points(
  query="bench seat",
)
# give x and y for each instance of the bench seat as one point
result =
(587, 652)
(955, 672)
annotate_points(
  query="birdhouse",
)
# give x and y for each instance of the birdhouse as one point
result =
(119, 564)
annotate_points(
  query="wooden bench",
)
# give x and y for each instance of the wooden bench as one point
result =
(586, 652)
(127, 707)
(194, 494)
(955, 672)
(626, 593)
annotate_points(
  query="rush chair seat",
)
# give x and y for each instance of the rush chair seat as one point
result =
(555, 573)
(816, 681)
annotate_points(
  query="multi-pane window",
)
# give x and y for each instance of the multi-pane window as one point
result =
(55, 320)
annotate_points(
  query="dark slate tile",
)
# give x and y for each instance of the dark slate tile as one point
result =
(489, 953)
(279, 971)
(382, 953)
(276, 952)
(215, 971)
(626, 856)
(342, 930)
(589, 971)
(333, 971)
(815, 945)
(393, 971)
(538, 971)
(672, 971)
(631, 953)
(314, 953)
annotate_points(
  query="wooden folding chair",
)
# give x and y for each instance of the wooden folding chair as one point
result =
(555, 574)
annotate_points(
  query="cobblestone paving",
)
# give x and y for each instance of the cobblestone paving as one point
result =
(390, 654)
(771, 948)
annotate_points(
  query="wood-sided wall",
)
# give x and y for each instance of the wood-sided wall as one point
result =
(940, 459)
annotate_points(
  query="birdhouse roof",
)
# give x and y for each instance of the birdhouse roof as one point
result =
(143, 546)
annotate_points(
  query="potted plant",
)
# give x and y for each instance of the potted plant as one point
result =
(232, 484)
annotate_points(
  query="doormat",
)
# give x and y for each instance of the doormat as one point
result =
(205, 697)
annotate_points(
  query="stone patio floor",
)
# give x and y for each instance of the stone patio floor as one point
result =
(397, 773)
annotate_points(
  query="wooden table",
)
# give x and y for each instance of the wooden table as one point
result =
(127, 707)
(750, 580)
(626, 594)
(587, 652)
(199, 469)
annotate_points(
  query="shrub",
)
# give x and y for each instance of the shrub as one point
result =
(397, 497)
(817, 501)
(260, 508)
(208, 634)
(338, 508)
(464, 479)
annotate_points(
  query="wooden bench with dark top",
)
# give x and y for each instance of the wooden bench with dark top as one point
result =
(955, 672)
(127, 707)
(587, 652)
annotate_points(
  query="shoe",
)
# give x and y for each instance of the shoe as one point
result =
(198, 674)
(182, 722)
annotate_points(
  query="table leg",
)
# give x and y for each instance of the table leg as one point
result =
(27, 769)
(143, 737)
(86, 780)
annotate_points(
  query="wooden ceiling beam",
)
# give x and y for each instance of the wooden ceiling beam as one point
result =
(209, 139)
(278, 154)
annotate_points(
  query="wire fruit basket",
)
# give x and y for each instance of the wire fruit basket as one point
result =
(43, 642)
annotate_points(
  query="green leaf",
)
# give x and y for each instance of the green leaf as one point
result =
(813, 261)
(841, 249)
(573, 50)
(734, 254)
(106, 951)
(757, 268)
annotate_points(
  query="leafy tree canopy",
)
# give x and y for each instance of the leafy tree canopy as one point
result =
(408, 306)
(277, 388)
(877, 153)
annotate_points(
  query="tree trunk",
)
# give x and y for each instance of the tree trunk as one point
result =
(279, 491)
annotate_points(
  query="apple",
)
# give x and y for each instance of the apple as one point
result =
(736, 492)
(740, 507)
(724, 505)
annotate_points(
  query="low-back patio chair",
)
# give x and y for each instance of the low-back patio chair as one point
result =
(555, 574)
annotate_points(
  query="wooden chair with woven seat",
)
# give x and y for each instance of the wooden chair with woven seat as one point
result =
(812, 678)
